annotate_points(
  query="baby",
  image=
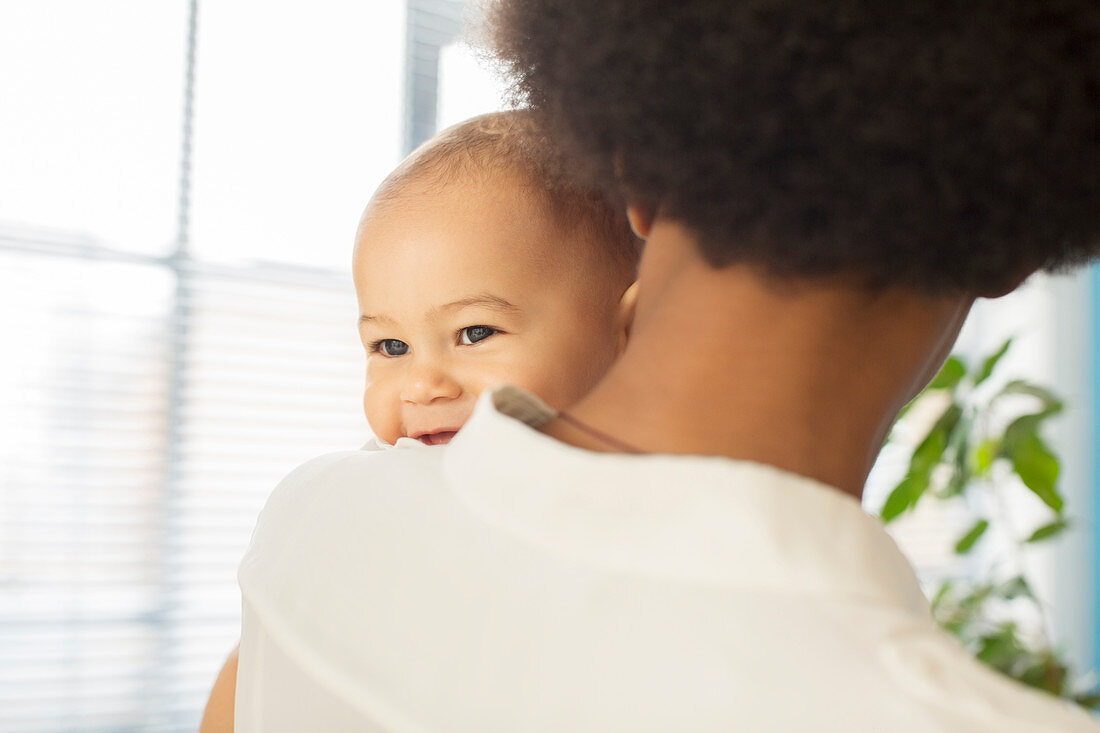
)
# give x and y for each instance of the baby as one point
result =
(477, 262)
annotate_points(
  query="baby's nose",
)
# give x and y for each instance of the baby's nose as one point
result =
(425, 383)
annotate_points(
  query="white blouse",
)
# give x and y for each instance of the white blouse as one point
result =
(509, 582)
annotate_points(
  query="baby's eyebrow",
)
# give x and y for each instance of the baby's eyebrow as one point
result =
(486, 300)
(365, 318)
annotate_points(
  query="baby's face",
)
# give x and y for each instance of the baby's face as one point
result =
(466, 288)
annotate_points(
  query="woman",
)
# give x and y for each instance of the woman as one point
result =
(825, 188)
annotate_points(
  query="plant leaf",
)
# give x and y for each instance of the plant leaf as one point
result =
(950, 374)
(960, 479)
(1038, 468)
(985, 455)
(966, 542)
(1089, 700)
(1001, 648)
(991, 363)
(1047, 531)
(941, 595)
(962, 470)
(977, 597)
(928, 453)
(925, 458)
(1047, 673)
(904, 496)
(1021, 428)
(1051, 403)
(1017, 587)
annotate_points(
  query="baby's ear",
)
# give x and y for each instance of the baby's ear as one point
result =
(641, 218)
(627, 303)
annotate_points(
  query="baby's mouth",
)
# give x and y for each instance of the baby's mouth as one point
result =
(438, 437)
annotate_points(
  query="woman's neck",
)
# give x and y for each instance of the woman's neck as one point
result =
(721, 363)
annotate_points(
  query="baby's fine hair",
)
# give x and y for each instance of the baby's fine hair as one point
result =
(513, 142)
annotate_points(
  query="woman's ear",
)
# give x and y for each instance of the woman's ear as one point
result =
(641, 219)
(627, 304)
(1013, 281)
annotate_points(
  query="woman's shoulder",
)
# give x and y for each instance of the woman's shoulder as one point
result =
(355, 487)
(373, 456)
(353, 473)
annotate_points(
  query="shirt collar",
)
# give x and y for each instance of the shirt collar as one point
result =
(703, 519)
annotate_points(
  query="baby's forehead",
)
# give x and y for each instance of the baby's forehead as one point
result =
(470, 229)
(430, 247)
(503, 163)
(488, 201)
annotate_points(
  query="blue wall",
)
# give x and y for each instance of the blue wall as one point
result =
(1089, 511)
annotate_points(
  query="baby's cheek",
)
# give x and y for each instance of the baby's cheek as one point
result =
(583, 364)
(475, 382)
(559, 379)
(383, 413)
(513, 362)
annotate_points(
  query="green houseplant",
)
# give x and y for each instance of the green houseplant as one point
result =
(985, 441)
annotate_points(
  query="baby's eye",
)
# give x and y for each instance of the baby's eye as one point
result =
(391, 347)
(472, 334)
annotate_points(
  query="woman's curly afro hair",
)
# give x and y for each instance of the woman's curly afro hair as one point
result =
(943, 145)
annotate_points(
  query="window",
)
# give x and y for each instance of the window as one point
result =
(178, 319)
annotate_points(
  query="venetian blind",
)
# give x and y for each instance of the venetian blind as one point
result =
(176, 334)
(148, 411)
